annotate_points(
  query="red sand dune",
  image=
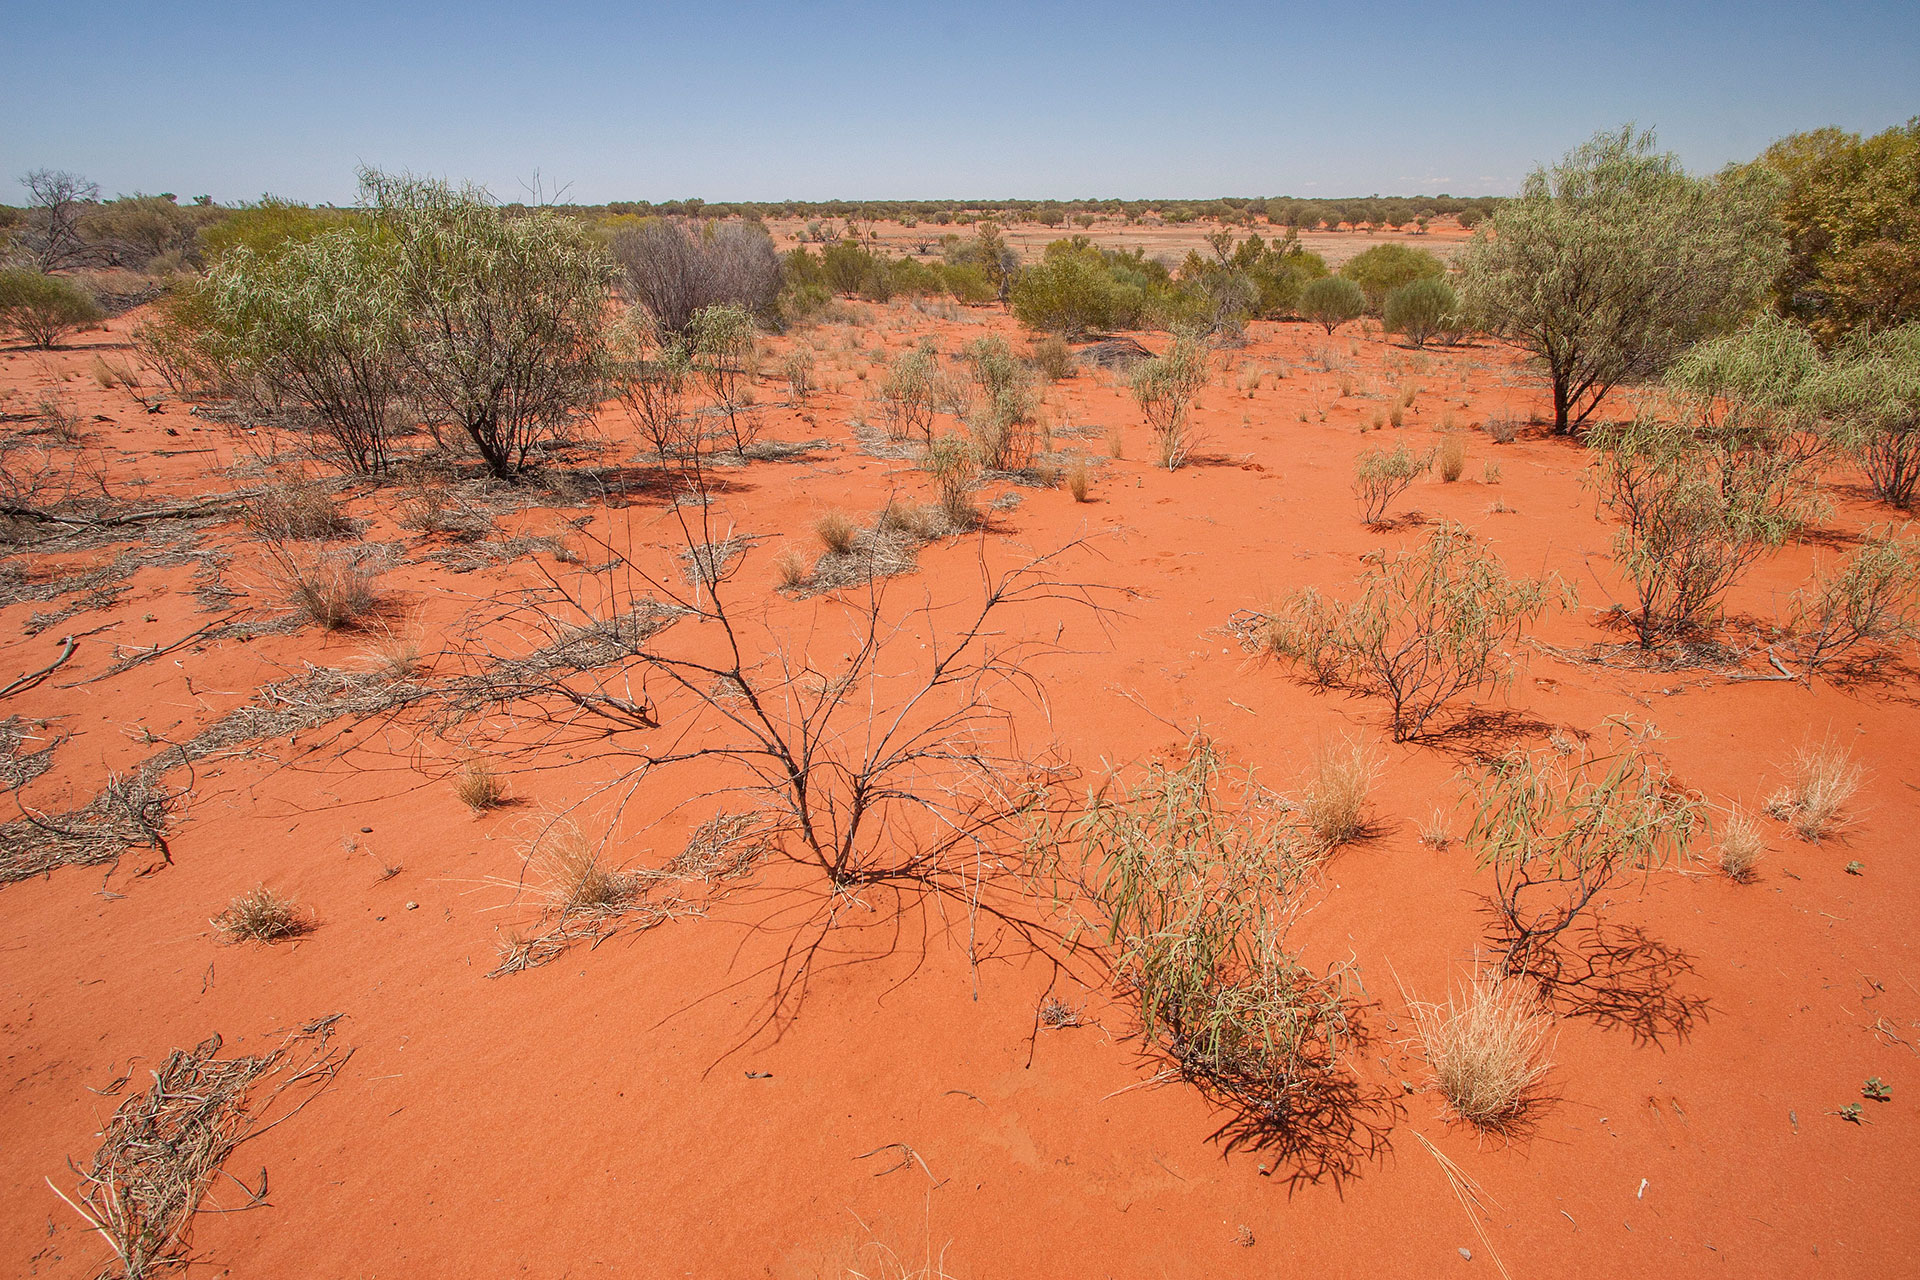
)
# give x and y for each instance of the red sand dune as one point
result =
(632, 1108)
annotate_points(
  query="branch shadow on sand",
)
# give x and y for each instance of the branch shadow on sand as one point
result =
(1621, 977)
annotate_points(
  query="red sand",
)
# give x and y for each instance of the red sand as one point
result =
(605, 1113)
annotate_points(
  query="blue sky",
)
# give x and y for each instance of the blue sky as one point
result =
(847, 100)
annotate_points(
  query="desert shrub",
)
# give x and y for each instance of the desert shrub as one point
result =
(322, 325)
(1821, 781)
(1420, 309)
(996, 370)
(335, 590)
(676, 270)
(722, 356)
(1430, 624)
(1340, 780)
(261, 915)
(1488, 1049)
(1331, 301)
(836, 531)
(1614, 261)
(907, 396)
(951, 462)
(1001, 430)
(1558, 832)
(1164, 388)
(1502, 428)
(269, 227)
(1871, 604)
(1053, 358)
(44, 309)
(1452, 458)
(1870, 391)
(1198, 890)
(295, 508)
(479, 787)
(1387, 267)
(1693, 518)
(1380, 476)
(797, 369)
(652, 386)
(173, 339)
(1067, 293)
(507, 313)
(1741, 845)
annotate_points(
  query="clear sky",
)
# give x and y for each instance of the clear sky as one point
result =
(794, 100)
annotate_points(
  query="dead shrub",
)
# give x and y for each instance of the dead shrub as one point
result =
(1334, 804)
(261, 915)
(1502, 428)
(479, 787)
(1821, 781)
(1488, 1049)
(1741, 845)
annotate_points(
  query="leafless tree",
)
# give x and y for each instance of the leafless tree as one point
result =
(676, 270)
(53, 238)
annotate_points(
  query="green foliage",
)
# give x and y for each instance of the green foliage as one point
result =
(1430, 624)
(1072, 293)
(1609, 265)
(1386, 267)
(1422, 308)
(1380, 476)
(1870, 393)
(951, 461)
(322, 323)
(1164, 387)
(1331, 301)
(1199, 891)
(907, 396)
(269, 228)
(721, 342)
(507, 313)
(1560, 831)
(1698, 504)
(1851, 212)
(43, 309)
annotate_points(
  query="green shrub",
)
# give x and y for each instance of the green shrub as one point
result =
(1420, 309)
(1331, 301)
(1430, 625)
(1380, 476)
(44, 309)
(1164, 387)
(907, 396)
(1386, 267)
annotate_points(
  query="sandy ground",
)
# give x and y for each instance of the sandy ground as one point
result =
(636, 1107)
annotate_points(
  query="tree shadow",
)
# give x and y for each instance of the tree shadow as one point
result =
(1325, 1131)
(1482, 735)
(1621, 977)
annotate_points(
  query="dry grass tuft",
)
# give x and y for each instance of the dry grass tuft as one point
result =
(1335, 802)
(479, 787)
(397, 657)
(569, 875)
(836, 531)
(261, 915)
(790, 569)
(1453, 458)
(1487, 1048)
(295, 508)
(1741, 845)
(335, 590)
(582, 898)
(1820, 782)
(1078, 475)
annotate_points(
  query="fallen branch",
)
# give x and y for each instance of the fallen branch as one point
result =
(32, 678)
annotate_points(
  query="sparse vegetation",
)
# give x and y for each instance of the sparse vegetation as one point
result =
(1164, 388)
(1340, 783)
(1488, 1049)
(1741, 845)
(261, 915)
(1822, 781)
(1381, 475)
(1452, 457)
(479, 787)
(43, 309)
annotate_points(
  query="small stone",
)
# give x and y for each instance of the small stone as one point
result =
(1467, 1254)
(413, 906)
(366, 831)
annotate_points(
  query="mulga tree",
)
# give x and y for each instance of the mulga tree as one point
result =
(1870, 393)
(1611, 263)
(508, 312)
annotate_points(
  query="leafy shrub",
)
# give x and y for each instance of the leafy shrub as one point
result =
(1380, 476)
(797, 368)
(44, 309)
(1197, 892)
(1559, 831)
(1430, 625)
(1420, 309)
(722, 353)
(907, 396)
(1164, 388)
(1872, 604)
(1386, 267)
(952, 463)
(1871, 392)
(1332, 301)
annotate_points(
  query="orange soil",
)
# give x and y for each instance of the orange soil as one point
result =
(605, 1114)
